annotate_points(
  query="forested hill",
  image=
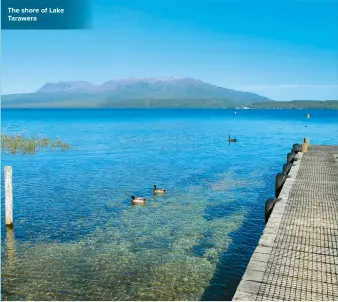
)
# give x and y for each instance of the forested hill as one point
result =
(330, 104)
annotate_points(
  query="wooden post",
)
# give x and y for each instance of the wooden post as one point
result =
(11, 250)
(306, 141)
(304, 148)
(9, 196)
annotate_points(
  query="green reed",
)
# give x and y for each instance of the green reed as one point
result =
(17, 144)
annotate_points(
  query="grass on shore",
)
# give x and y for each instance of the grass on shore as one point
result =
(17, 144)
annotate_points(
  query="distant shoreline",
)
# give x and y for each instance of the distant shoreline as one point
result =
(202, 104)
(159, 108)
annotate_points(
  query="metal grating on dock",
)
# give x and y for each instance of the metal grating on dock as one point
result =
(297, 255)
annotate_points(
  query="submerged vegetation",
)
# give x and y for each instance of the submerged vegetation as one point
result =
(17, 144)
(167, 251)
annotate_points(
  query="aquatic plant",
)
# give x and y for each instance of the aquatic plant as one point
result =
(168, 250)
(149, 255)
(17, 144)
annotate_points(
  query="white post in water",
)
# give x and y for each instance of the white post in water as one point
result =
(11, 251)
(9, 196)
(306, 141)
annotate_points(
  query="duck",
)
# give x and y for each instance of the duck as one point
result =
(156, 191)
(233, 140)
(137, 200)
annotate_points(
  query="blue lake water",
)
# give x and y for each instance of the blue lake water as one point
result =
(76, 235)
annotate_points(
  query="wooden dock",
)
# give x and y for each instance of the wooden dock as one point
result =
(297, 256)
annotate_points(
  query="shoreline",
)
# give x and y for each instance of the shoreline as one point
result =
(154, 108)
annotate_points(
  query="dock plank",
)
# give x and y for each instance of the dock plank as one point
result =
(300, 240)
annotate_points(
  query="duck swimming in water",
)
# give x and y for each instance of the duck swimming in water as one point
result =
(137, 200)
(232, 140)
(158, 191)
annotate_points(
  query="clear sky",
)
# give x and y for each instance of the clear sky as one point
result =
(280, 49)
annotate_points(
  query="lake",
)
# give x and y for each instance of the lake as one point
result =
(76, 235)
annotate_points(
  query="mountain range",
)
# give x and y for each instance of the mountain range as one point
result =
(133, 93)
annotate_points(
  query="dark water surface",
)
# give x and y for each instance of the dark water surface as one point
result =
(76, 235)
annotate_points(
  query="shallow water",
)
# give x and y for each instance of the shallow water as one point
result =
(76, 235)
